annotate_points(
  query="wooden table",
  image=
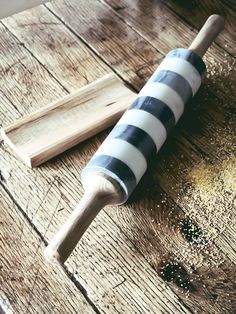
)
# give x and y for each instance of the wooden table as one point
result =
(171, 249)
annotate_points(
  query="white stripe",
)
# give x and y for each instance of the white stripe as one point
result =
(166, 94)
(148, 123)
(183, 68)
(125, 152)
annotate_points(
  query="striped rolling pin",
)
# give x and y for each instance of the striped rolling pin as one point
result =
(144, 127)
(116, 168)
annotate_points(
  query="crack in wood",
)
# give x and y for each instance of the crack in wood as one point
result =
(67, 272)
(120, 283)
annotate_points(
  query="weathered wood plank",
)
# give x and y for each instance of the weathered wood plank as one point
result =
(27, 283)
(210, 151)
(219, 117)
(196, 270)
(104, 257)
(196, 12)
(211, 119)
(155, 247)
(211, 125)
(229, 3)
(71, 167)
(13, 113)
(103, 272)
(103, 253)
(19, 77)
(193, 15)
(56, 48)
(113, 40)
(220, 64)
(163, 34)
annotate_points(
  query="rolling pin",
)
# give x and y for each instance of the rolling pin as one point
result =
(118, 165)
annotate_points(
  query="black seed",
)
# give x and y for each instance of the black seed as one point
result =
(192, 232)
(172, 271)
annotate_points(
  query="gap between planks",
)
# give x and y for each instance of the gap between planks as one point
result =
(58, 82)
(214, 7)
(39, 239)
(170, 7)
(90, 47)
(166, 288)
(171, 302)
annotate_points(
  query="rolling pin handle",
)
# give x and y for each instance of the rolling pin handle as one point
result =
(210, 30)
(99, 192)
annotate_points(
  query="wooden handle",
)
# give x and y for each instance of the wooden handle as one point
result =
(210, 30)
(99, 191)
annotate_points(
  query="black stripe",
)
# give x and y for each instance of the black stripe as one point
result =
(115, 168)
(135, 136)
(174, 80)
(157, 108)
(191, 57)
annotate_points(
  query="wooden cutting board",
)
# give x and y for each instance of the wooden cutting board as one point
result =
(69, 121)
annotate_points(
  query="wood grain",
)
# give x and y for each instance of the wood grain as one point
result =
(218, 89)
(54, 46)
(163, 33)
(102, 252)
(196, 272)
(140, 218)
(112, 280)
(19, 77)
(159, 36)
(111, 259)
(112, 39)
(68, 121)
(193, 16)
(195, 13)
(28, 284)
(13, 112)
(209, 100)
(114, 274)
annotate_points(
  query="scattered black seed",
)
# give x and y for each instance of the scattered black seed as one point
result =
(172, 271)
(192, 232)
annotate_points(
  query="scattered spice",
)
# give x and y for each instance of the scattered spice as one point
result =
(209, 201)
(173, 271)
(192, 232)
